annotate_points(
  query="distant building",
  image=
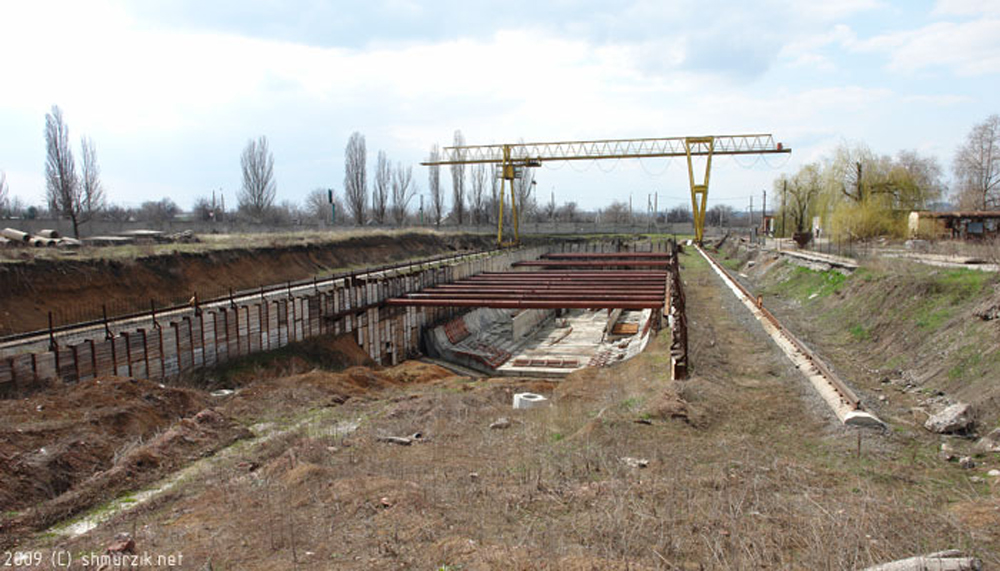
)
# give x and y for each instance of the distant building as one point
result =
(965, 225)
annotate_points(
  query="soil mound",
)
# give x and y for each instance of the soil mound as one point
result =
(52, 441)
(71, 288)
(187, 440)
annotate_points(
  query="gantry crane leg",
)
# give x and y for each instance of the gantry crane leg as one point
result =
(699, 192)
(507, 174)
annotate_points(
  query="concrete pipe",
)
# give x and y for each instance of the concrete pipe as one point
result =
(37, 242)
(15, 235)
(53, 234)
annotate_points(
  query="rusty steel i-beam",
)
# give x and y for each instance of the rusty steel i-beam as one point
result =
(593, 264)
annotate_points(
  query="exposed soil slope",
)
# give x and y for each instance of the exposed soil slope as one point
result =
(906, 329)
(75, 290)
(52, 441)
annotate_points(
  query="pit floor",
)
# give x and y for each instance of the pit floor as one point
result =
(572, 341)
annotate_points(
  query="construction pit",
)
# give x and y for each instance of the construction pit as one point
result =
(315, 454)
(559, 313)
(538, 342)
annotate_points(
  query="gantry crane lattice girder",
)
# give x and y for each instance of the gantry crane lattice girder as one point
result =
(514, 157)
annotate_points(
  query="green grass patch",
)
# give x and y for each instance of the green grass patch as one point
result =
(961, 284)
(859, 333)
(804, 283)
(974, 363)
(933, 318)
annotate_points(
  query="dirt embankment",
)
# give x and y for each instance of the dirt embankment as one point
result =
(902, 332)
(69, 449)
(75, 290)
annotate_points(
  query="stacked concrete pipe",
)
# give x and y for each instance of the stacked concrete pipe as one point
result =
(15, 235)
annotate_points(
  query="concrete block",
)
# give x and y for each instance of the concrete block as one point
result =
(529, 400)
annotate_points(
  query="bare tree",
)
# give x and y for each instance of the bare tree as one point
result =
(61, 183)
(4, 193)
(162, 210)
(355, 178)
(913, 180)
(616, 213)
(568, 212)
(720, 215)
(679, 214)
(434, 186)
(494, 204)
(477, 201)
(203, 209)
(92, 198)
(117, 213)
(256, 197)
(380, 188)
(458, 182)
(550, 207)
(318, 206)
(524, 190)
(977, 165)
(402, 192)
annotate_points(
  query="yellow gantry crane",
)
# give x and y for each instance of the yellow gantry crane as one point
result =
(513, 158)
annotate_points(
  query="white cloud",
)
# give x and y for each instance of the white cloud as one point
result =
(947, 100)
(806, 51)
(966, 7)
(832, 9)
(968, 48)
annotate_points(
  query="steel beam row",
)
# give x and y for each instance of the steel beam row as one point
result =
(608, 255)
(593, 264)
(587, 281)
(526, 303)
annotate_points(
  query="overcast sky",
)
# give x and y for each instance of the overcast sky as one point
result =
(171, 90)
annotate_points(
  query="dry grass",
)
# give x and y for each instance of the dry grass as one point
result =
(209, 243)
(745, 472)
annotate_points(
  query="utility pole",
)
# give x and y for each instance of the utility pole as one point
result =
(656, 205)
(649, 212)
(763, 214)
(860, 188)
(784, 205)
(630, 208)
(751, 211)
(333, 207)
(421, 210)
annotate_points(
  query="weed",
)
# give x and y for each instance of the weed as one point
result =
(933, 319)
(859, 333)
(805, 284)
(631, 403)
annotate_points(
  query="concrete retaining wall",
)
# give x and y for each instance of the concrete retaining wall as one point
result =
(172, 348)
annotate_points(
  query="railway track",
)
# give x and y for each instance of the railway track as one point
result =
(839, 397)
